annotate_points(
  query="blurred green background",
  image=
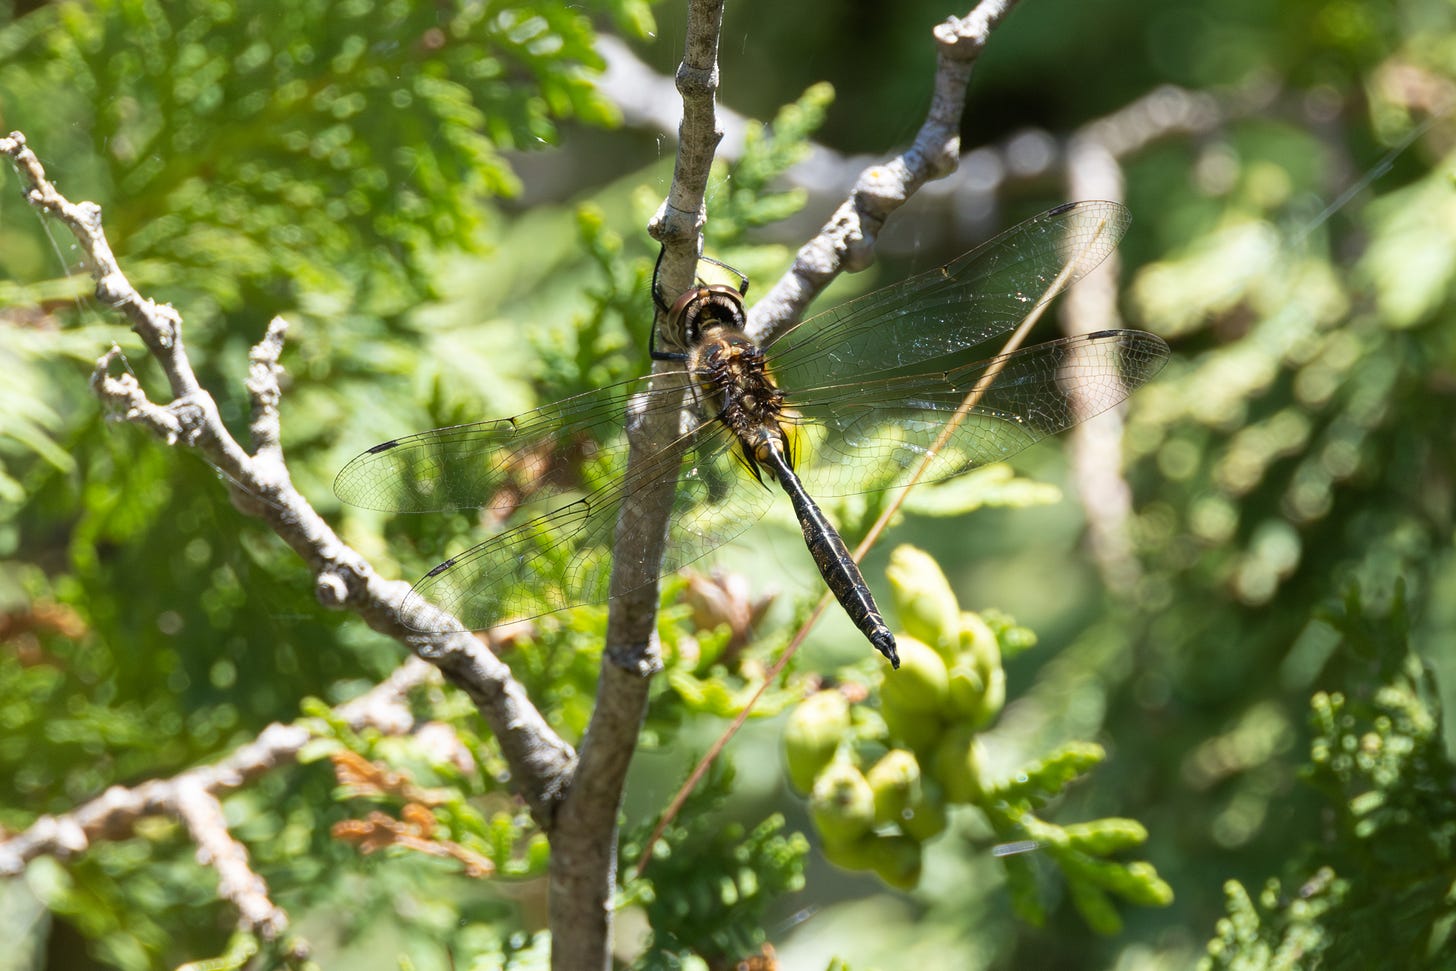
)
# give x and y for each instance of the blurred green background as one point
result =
(450, 214)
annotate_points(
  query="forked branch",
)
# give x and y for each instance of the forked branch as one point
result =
(847, 240)
(260, 485)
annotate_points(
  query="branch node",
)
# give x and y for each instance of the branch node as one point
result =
(959, 37)
(68, 836)
(331, 590)
(695, 81)
(642, 660)
(944, 158)
(192, 416)
(850, 247)
(112, 289)
(164, 319)
(671, 224)
(88, 214)
(963, 38)
(881, 188)
(126, 401)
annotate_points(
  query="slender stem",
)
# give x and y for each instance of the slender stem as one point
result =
(584, 839)
(193, 794)
(847, 240)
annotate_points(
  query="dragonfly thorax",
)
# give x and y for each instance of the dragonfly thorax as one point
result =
(733, 379)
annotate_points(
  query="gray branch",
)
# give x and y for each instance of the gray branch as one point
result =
(584, 843)
(964, 202)
(847, 240)
(264, 393)
(259, 484)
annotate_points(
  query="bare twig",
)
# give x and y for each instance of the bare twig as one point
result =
(192, 795)
(847, 240)
(236, 881)
(970, 193)
(259, 484)
(265, 393)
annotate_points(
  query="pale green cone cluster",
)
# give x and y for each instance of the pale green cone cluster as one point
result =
(874, 805)
(880, 777)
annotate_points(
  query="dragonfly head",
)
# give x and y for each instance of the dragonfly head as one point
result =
(704, 308)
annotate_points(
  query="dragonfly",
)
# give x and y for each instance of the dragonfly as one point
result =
(847, 401)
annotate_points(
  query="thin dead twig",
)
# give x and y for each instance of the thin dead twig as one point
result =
(193, 796)
(260, 485)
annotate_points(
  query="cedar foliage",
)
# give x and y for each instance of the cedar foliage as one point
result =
(1270, 695)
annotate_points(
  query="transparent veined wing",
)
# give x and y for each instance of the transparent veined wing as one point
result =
(498, 464)
(564, 558)
(953, 308)
(862, 436)
(870, 385)
(557, 475)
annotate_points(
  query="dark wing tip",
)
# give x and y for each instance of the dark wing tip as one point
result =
(441, 568)
(1149, 351)
(350, 483)
(1089, 204)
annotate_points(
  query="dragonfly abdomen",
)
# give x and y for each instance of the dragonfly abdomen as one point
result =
(730, 368)
(841, 574)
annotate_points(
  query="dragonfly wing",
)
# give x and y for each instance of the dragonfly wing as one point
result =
(864, 436)
(717, 499)
(517, 573)
(953, 308)
(496, 464)
(563, 559)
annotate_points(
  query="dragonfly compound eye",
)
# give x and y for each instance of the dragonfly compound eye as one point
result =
(704, 308)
